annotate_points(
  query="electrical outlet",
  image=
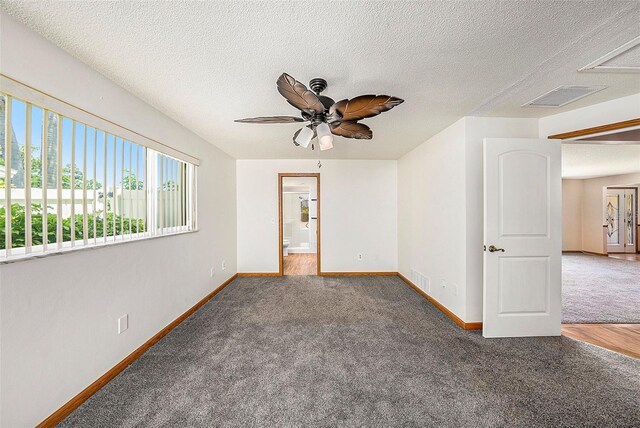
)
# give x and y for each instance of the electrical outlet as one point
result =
(123, 323)
(224, 265)
(212, 272)
(360, 256)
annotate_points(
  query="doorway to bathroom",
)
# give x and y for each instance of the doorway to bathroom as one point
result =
(299, 223)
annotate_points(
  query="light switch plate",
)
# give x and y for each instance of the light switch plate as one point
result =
(123, 323)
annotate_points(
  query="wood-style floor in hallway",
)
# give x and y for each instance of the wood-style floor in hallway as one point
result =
(299, 264)
(626, 256)
(622, 338)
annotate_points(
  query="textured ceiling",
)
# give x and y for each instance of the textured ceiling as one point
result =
(583, 160)
(208, 63)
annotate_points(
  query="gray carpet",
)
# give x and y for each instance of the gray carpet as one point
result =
(597, 289)
(360, 351)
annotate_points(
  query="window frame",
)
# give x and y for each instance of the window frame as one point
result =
(152, 151)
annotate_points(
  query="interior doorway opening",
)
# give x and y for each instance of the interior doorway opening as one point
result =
(299, 223)
(601, 258)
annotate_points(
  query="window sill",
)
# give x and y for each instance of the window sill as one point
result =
(82, 247)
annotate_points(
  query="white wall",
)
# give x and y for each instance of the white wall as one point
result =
(440, 204)
(432, 223)
(572, 215)
(617, 110)
(358, 213)
(58, 314)
(583, 211)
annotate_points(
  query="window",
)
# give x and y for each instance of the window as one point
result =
(66, 184)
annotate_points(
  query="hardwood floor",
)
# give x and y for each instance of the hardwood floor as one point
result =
(299, 264)
(622, 338)
(627, 256)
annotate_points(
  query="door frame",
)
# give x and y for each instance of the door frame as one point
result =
(281, 175)
(615, 126)
(608, 127)
(636, 221)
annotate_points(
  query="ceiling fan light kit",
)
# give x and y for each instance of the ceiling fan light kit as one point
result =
(325, 138)
(303, 137)
(327, 117)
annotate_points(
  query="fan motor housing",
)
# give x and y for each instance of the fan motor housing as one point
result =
(318, 85)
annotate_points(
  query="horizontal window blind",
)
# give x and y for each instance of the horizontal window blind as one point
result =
(66, 184)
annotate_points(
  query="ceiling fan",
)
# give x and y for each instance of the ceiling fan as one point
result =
(326, 117)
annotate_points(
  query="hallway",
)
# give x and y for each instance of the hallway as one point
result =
(299, 264)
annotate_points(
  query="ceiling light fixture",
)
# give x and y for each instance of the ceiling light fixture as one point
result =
(303, 137)
(325, 139)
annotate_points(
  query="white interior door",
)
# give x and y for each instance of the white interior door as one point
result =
(522, 237)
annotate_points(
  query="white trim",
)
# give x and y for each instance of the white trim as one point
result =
(41, 99)
(597, 64)
(7, 177)
(79, 246)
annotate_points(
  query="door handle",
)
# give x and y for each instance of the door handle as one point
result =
(493, 249)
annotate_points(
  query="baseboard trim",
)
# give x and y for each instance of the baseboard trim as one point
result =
(442, 308)
(64, 411)
(242, 274)
(593, 253)
(358, 273)
(258, 274)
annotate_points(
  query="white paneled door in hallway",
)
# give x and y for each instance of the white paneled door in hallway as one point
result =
(522, 237)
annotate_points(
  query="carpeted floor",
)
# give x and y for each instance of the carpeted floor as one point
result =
(358, 351)
(598, 290)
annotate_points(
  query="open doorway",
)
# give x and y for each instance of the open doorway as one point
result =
(601, 263)
(299, 223)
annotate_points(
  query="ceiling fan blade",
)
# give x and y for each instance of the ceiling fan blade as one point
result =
(362, 107)
(271, 119)
(356, 130)
(298, 95)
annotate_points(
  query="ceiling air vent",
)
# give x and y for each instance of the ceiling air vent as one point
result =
(563, 95)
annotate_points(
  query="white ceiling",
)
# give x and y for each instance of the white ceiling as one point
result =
(593, 160)
(208, 63)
